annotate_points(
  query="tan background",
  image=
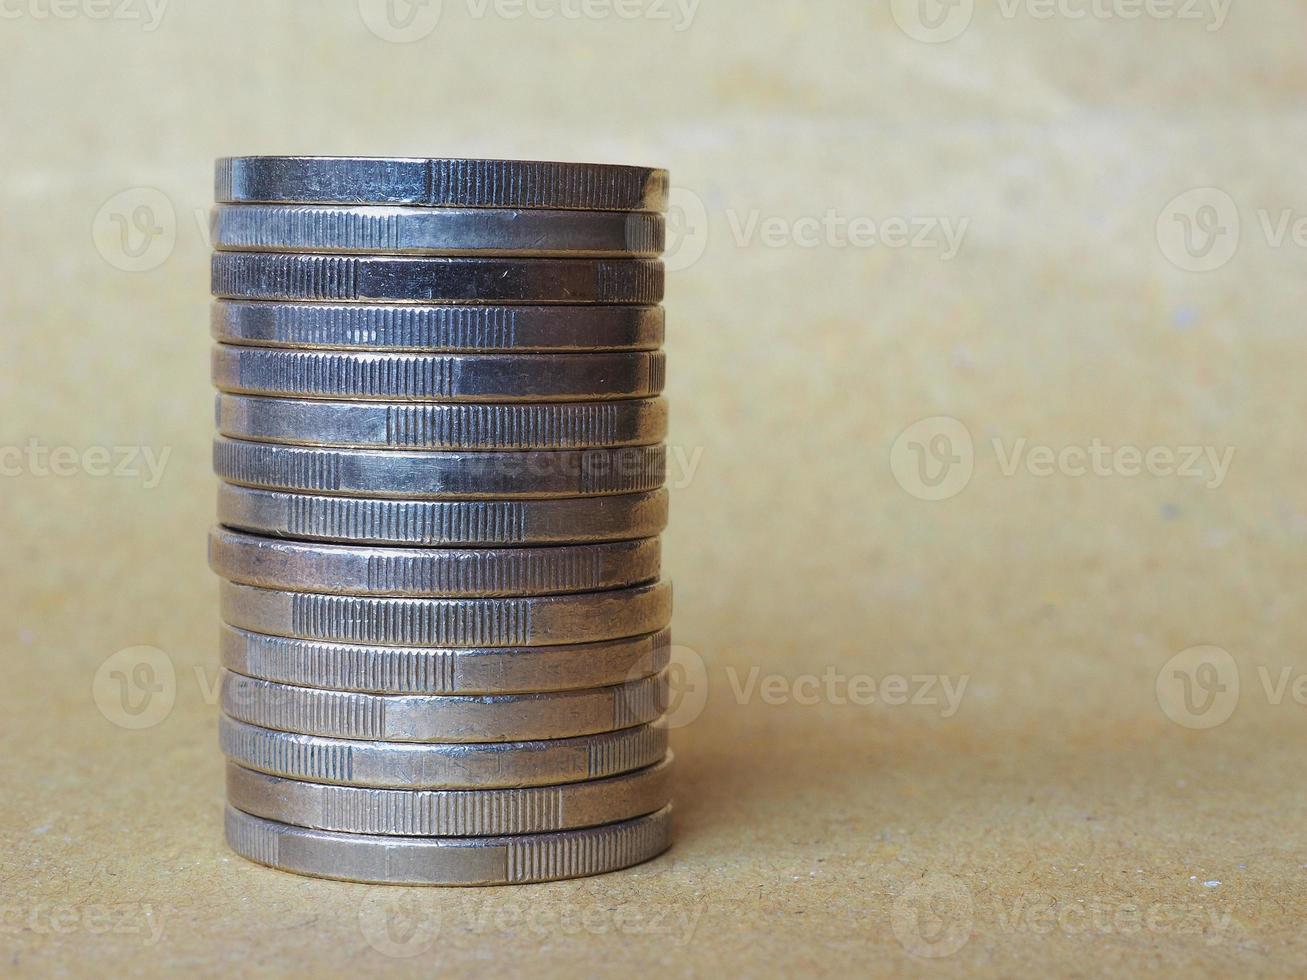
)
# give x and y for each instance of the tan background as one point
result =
(1058, 821)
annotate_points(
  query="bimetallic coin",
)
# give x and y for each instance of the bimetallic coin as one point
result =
(433, 670)
(366, 425)
(438, 718)
(395, 278)
(435, 182)
(449, 860)
(450, 813)
(436, 231)
(586, 617)
(445, 523)
(272, 563)
(437, 377)
(412, 765)
(438, 328)
(427, 475)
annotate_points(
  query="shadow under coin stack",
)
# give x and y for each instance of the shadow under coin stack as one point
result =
(440, 439)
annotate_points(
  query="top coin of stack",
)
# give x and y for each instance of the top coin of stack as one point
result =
(440, 433)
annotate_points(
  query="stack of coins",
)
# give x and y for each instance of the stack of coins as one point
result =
(440, 434)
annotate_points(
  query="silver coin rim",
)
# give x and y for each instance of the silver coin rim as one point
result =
(315, 849)
(287, 565)
(370, 756)
(267, 512)
(610, 799)
(399, 229)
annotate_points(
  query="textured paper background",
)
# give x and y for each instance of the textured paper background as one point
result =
(1059, 821)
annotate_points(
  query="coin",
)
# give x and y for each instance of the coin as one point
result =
(437, 475)
(438, 522)
(528, 621)
(272, 563)
(435, 670)
(450, 813)
(394, 278)
(435, 182)
(437, 377)
(413, 765)
(438, 328)
(436, 231)
(441, 718)
(363, 425)
(449, 860)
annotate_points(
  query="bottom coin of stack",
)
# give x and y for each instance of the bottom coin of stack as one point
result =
(389, 716)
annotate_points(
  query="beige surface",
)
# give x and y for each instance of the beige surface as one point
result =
(1056, 798)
